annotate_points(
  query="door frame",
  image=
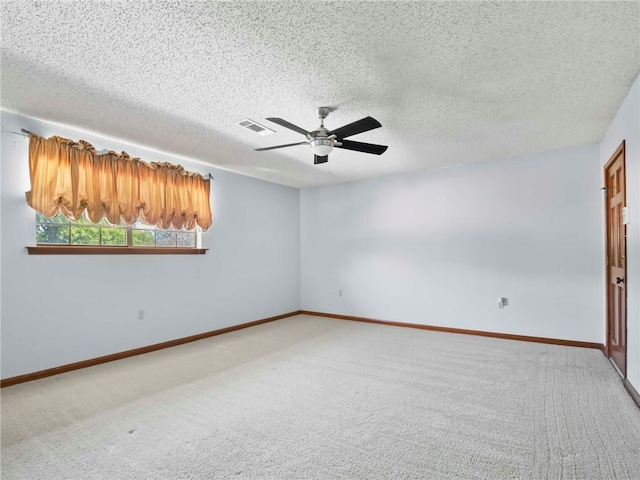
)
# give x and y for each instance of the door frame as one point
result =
(618, 151)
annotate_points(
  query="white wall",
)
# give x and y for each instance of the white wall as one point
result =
(440, 247)
(435, 248)
(62, 309)
(626, 126)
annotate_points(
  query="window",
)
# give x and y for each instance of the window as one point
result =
(90, 203)
(61, 230)
(148, 236)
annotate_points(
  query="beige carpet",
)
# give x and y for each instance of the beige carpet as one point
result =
(310, 397)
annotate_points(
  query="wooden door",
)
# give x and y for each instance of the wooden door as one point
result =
(616, 261)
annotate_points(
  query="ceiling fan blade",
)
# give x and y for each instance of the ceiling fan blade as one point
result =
(363, 147)
(289, 125)
(280, 146)
(363, 125)
(320, 159)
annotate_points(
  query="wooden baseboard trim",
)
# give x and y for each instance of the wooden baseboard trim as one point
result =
(7, 382)
(506, 336)
(632, 391)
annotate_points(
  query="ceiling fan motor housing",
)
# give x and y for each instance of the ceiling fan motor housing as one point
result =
(321, 132)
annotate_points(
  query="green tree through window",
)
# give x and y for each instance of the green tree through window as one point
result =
(61, 230)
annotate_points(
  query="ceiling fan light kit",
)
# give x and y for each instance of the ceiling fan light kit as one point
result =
(322, 141)
(321, 146)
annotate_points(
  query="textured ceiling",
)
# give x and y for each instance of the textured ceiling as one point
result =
(451, 82)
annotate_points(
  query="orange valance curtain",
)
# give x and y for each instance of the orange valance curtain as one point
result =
(70, 177)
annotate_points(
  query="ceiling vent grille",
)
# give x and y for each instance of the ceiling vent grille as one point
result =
(255, 127)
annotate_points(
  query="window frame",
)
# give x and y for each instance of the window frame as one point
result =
(100, 249)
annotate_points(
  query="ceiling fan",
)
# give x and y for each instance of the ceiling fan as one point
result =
(322, 140)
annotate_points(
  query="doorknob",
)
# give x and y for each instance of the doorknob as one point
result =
(619, 280)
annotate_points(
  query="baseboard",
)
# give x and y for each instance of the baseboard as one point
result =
(506, 336)
(7, 382)
(632, 391)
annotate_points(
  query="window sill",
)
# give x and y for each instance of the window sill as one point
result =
(82, 250)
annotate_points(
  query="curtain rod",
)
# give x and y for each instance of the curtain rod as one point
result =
(26, 132)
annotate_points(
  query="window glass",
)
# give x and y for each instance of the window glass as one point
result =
(144, 238)
(85, 235)
(52, 234)
(186, 239)
(114, 237)
(62, 231)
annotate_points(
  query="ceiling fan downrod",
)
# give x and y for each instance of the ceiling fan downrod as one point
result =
(322, 113)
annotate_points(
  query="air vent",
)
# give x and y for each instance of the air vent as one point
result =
(255, 127)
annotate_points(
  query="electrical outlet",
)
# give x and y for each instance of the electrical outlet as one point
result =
(503, 302)
(140, 314)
